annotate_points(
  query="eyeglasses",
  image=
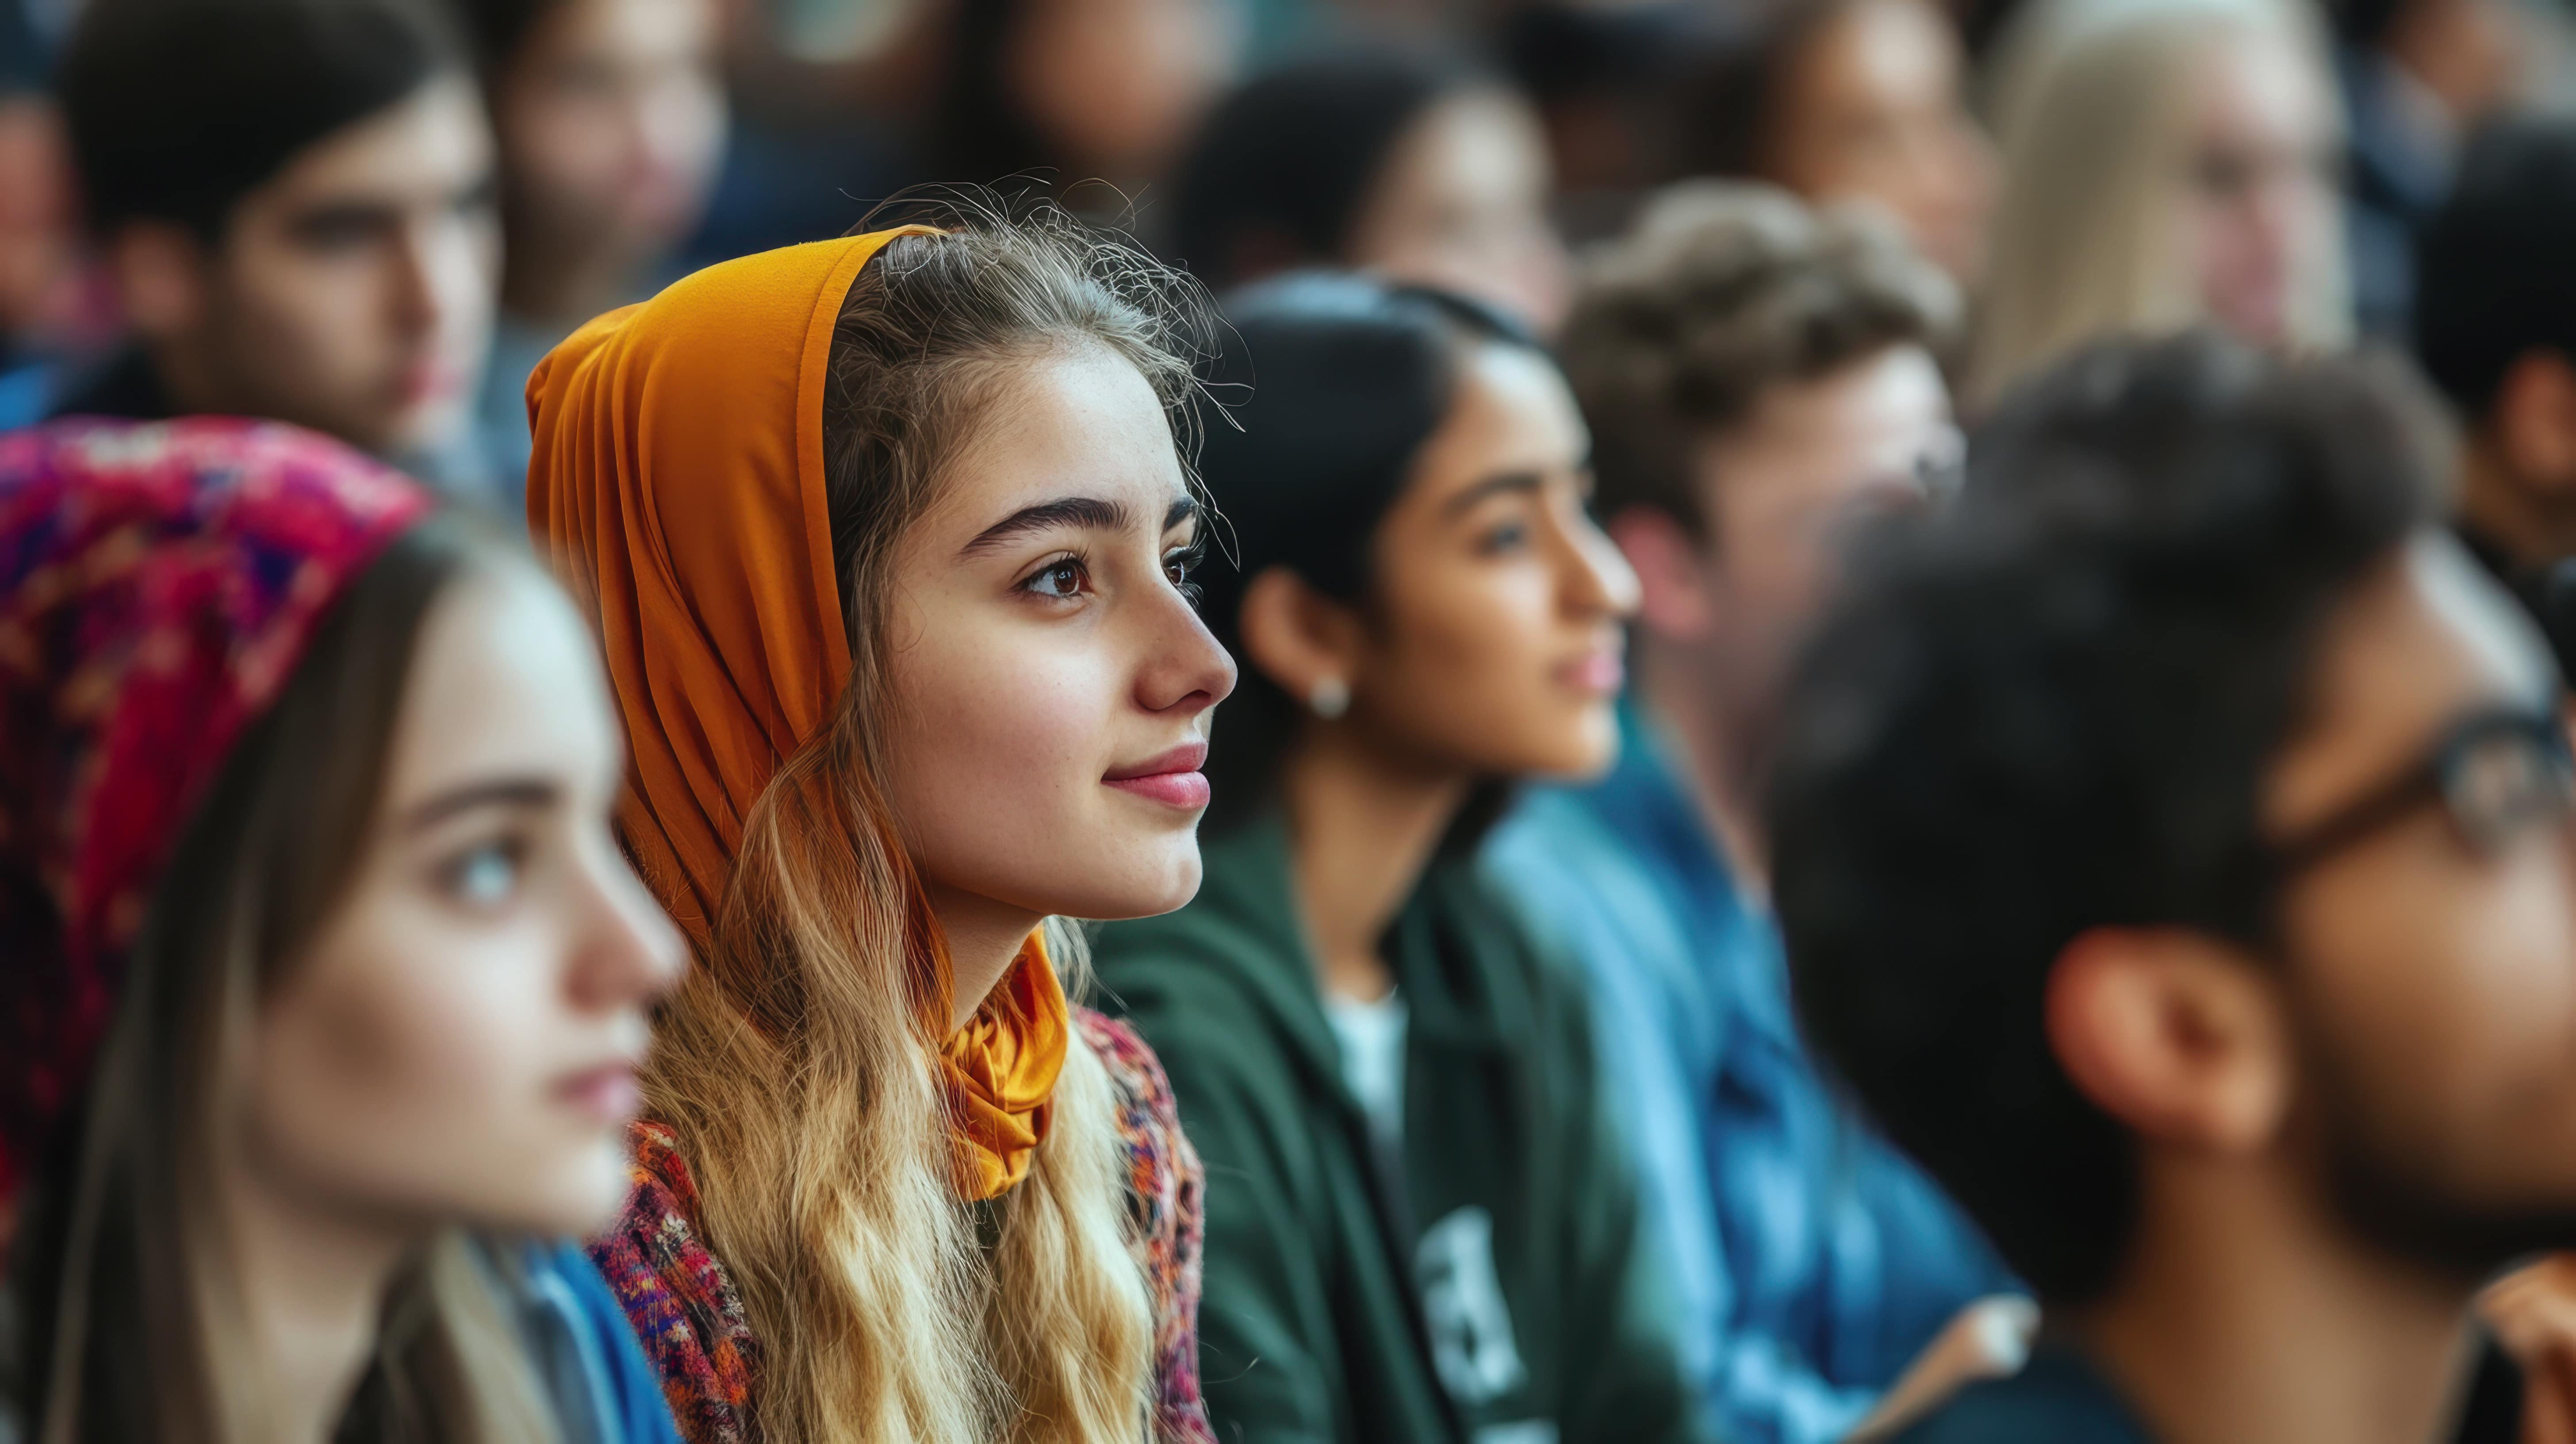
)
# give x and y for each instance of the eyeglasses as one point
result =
(2495, 773)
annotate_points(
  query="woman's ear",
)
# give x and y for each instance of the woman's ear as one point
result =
(2177, 1035)
(1300, 639)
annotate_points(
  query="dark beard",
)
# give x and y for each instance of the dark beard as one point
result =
(2393, 1204)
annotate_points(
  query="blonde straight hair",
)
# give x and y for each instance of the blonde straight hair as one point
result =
(795, 1064)
(2090, 101)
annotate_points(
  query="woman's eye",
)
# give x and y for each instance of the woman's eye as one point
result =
(1059, 579)
(486, 876)
(1509, 537)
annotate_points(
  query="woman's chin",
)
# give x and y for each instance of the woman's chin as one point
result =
(1162, 881)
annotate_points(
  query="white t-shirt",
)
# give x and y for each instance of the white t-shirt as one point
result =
(1372, 1039)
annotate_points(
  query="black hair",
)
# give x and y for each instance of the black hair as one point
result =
(1347, 379)
(178, 108)
(2052, 710)
(498, 28)
(2493, 275)
(1728, 102)
(1279, 170)
(980, 133)
(2365, 23)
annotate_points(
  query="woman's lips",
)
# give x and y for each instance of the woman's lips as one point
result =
(1598, 673)
(1172, 779)
(608, 1092)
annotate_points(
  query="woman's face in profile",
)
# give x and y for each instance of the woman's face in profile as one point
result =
(2259, 203)
(1046, 677)
(460, 1043)
(1491, 642)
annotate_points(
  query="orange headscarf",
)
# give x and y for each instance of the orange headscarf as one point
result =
(677, 487)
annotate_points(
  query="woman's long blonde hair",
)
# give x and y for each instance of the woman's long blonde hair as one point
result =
(2089, 100)
(795, 1063)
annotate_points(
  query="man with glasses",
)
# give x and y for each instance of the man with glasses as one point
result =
(1759, 378)
(2172, 848)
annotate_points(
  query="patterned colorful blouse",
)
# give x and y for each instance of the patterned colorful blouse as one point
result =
(691, 1320)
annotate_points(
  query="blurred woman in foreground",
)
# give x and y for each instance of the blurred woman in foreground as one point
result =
(1420, 1228)
(2167, 162)
(326, 984)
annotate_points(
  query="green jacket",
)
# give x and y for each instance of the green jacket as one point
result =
(1486, 1289)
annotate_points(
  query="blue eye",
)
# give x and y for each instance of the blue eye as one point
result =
(1509, 537)
(486, 876)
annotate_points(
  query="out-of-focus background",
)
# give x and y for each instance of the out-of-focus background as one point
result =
(1471, 142)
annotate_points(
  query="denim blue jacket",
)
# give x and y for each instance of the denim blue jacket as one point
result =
(1812, 1261)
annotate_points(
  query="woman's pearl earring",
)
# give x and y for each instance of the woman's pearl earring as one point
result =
(1330, 698)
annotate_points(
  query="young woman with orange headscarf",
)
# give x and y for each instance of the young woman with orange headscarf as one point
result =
(887, 541)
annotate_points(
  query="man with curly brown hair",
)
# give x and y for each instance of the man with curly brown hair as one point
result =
(1758, 376)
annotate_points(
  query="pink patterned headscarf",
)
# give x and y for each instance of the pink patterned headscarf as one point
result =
(158, 584)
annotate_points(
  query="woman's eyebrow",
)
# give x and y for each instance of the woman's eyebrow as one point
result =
(523, 792)
(1087, 512)
(1183, 509)
(1495, 485)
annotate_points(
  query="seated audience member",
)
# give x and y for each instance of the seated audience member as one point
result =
(888, 539)
(1062, 95)
(2166, 163)
(294, 198)
(611, 117)
(326, 984)
(1844, 100)
(2495, 328)
(1419, 1224)
(2172, 845)
(1391, 161)
(2418, 77)
(1756, 376)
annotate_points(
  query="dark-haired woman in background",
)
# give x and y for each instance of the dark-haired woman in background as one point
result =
(1391, 161)
(1052, 95)
(1850, 100)
(610, 116)
(325, 983)
(1418, 1228)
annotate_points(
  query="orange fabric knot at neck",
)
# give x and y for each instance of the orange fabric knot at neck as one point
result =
(1002, 1069)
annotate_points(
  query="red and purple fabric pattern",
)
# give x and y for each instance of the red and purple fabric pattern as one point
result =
(691, 1321)
(158, 584)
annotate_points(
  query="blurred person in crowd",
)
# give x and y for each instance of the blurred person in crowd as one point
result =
(51, 306)
(2172, 845)
(1059, 94)
(1420, 1224)
(1850, 100)
(2418, 77)
(611, 117)
(1601, 78)
(327, 985)
(326, 253)
(1757, 376)
(2495, 329)
(2166, 162)
(1395, 161)
(889, 541)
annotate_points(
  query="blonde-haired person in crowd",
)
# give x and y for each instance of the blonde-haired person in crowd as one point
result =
(2167, 163)
(887, 538)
